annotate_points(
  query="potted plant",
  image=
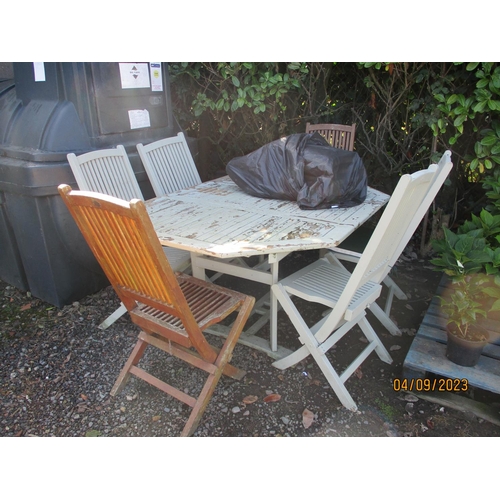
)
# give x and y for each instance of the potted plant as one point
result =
(463, 305)
(471, 295)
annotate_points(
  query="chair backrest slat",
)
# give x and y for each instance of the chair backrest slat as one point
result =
(106, 171)
(339, 136)
(169, 164)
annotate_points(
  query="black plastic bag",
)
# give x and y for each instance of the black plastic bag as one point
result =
(302, 168)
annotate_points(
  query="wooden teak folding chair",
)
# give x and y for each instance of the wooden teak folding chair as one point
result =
(339, 136)
(172, 309)
(109, 171)
(347, 296)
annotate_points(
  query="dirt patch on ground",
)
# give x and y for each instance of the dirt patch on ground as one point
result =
(57, 369)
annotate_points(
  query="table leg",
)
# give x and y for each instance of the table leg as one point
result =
(197, 270)
(265, 273)
(273, 303)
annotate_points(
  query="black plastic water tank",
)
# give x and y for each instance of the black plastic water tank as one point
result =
(47, 111)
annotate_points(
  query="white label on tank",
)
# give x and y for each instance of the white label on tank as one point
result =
(156, 81)
(139, 118)
(39, 70)
(134, 75)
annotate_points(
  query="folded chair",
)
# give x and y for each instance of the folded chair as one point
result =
(339, 136)
(348, 295)
(171, 309)
(108, 171)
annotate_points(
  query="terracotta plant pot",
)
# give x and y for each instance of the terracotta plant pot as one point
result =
(465, 352)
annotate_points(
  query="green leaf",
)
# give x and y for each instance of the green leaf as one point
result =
(480, 107)
(459, 120)
(461, 110)
(235, 80)
(495, 81)
(492, 104)
(489, 140)
(472, 66)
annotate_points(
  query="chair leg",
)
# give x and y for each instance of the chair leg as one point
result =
(392, 290)
(225, 355)
(113, 317)
(383, 317)
(373, 338)
(318, 349)
(334, 380)
(337, 382)
(133, 359)
(221, 366)
(201, 404)
(313, 348)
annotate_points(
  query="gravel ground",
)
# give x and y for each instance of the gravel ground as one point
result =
(57, 369)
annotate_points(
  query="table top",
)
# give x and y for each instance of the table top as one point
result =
(218, 219)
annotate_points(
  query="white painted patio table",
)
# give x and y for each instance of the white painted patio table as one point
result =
(218, 223)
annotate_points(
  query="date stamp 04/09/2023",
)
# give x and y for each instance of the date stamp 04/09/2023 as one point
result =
(430, 385)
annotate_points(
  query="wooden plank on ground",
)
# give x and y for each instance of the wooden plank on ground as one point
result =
(461, 403)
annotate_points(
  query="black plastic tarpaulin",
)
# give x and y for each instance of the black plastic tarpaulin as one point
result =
(302, 168)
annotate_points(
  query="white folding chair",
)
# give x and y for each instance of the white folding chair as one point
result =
(108, 171)
(393, 290)
(169, 164)
(170, 167)
(342, 137)
(348, 295)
